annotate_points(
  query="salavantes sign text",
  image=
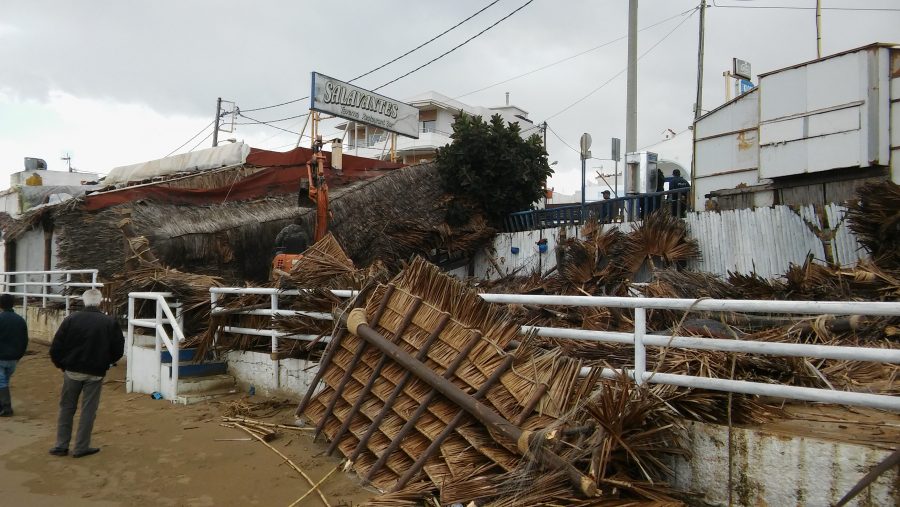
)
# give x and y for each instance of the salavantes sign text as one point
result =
(342, 99)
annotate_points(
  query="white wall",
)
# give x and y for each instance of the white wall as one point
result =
(778, 469)
(286, 376)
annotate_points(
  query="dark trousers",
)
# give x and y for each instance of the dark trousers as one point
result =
(90, 399)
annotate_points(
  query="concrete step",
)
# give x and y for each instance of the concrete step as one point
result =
(191, 398)
(207, 384)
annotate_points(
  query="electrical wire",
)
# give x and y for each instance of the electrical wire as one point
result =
(201, 142)
(798, 8)
(429, 41)
(563, 140)
(553, 64)
(451, 50)
(192, 138)
(420, 46)
(254, 120)
(616, 75)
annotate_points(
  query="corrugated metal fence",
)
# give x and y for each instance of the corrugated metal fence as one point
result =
(762, 240)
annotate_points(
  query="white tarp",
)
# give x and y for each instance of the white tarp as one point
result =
(210, 158)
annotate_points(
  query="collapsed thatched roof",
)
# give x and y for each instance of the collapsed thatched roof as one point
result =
(235, 240)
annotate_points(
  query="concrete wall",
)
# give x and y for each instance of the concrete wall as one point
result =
(290, 377)
(770, 470)
(42, 322)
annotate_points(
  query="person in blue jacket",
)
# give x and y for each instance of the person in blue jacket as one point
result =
(13, 342)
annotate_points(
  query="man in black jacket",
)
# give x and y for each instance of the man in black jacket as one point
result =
(86, 343)
(13, 342)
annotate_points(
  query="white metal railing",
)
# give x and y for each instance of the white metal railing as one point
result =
(640, 339)
(217, 293)
(163, 317)
(11, 279)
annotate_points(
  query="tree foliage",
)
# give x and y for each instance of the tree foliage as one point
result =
(489, 167)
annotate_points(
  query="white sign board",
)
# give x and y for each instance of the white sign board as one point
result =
(741, 69)
(332, 96)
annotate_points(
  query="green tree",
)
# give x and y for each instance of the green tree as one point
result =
(490, 168)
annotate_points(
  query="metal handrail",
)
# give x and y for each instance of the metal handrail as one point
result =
(640, 339)
(163, 317)
(216, 293)
(7, 280)
(620, 209)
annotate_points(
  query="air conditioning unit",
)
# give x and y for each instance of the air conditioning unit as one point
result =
(35, 164)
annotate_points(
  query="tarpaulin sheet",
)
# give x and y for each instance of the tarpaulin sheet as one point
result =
(282, 176)
(210, 158)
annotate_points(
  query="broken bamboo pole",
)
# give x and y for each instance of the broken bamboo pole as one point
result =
(451, 426)
(407, 320)
(423, 404)
(286, 460)
(531, 404)
(443, 320)
(495, 423)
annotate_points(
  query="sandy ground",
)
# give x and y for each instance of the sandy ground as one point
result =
(152, 453)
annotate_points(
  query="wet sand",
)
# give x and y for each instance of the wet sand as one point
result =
(152, 453)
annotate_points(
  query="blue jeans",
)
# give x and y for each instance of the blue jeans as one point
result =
(7, 367)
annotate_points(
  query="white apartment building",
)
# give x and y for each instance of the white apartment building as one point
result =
(436, 114)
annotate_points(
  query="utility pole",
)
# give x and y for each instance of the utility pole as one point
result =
(818, 28)
(698, 105)
(631, 98)
(216, 122)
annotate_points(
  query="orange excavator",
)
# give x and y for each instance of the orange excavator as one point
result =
(292, 241)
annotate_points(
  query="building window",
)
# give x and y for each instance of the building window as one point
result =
(429, 126)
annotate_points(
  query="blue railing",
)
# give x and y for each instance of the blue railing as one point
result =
(620, 209)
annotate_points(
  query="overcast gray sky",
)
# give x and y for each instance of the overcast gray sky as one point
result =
(115, 82)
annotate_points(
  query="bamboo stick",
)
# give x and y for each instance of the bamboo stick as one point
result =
(389, 402)
(530, 404)
(451, 426)
(423, 405)
(361, 397)
(493, 421)
(288, 461)
(316, 486)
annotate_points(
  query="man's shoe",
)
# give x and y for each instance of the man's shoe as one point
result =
(86, 452)
(6, 412)
(59, 451)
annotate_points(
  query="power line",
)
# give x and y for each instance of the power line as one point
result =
(201, 142)
(420, 46)
(254, 120)
(563, 140)
(470, 39)
(610, 80)
(613, 41)
(192, 138)
(797, 8)
(429, 41)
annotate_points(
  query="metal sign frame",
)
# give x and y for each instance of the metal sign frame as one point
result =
(741, 69)
(342, 99)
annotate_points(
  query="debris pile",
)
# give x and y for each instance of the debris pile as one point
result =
(464, 409)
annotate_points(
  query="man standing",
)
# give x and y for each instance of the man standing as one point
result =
(13, 342)
(86, 343)
(679, 206)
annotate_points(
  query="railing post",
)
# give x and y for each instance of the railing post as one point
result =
(68, 296)
(129, 344)
(45, 277)
(274, 300)
(158, 327)
(176, 354)
(640, 352)
(213, 298)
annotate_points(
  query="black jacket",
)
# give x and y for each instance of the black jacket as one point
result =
(13, 336)
(87, 342)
